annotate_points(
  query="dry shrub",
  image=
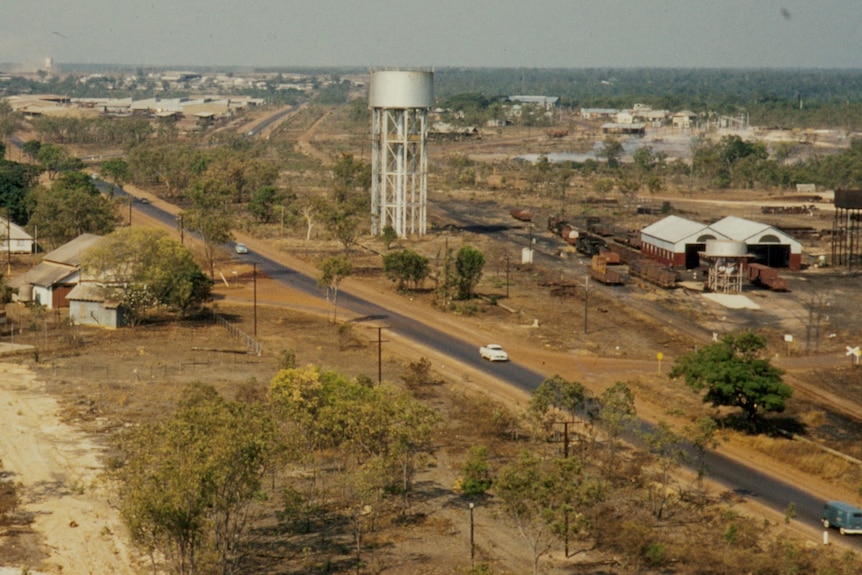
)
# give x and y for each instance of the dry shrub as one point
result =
(813, 419)
(804, 456)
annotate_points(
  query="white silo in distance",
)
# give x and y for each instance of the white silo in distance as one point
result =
(399, 102)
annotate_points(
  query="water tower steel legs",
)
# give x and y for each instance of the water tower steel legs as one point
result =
(399, 170)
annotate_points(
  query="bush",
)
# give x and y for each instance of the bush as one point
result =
(476, 478)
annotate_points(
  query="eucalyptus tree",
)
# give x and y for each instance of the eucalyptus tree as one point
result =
(188, 485)
(145, 268)
(72, 206)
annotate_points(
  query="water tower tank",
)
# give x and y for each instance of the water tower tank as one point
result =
(401, 89)
(725, 248)
(399, 102)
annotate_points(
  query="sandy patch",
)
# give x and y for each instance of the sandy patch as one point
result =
(58, 467)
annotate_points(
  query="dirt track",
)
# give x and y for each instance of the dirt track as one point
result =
(59, 468)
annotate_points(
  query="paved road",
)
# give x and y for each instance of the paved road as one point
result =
(737, 477)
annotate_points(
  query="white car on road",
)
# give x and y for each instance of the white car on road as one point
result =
(493, 352)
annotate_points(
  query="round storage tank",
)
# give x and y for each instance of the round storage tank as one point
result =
(725, 248)
(401, 89)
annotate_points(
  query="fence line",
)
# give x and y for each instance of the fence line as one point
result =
(250, 342)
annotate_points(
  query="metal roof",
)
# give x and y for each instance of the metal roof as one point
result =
(16, 232)
(43, 275)
(89, 291)
(70, 253)
(749, 231)
(673, 229)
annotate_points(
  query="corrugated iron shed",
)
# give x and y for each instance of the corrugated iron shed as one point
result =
(673, 229)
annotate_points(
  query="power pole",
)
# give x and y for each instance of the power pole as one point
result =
(586, 301)
(380, 343)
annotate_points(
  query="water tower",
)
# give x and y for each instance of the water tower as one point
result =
(399, 102)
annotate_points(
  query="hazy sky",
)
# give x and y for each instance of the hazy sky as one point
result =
(436, 33)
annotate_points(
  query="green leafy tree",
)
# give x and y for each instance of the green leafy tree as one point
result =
(556, 399)
(187, 486)
(70, 207)
(117, 171)
(406, 267)
(388, 236)
(734, 373)
(263, 202)
(546, 499)
(31, 149)
(55, 159)
(476, 473)
(210, 215)
(350, 175)
(603, 186)
(469, 263)
(160, 162)
(144, 267)
(333, 270)
(16, 180)
(343, 221)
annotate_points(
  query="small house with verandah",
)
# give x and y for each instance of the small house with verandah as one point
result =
(50, 281)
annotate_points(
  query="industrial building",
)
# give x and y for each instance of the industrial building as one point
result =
(678, 242)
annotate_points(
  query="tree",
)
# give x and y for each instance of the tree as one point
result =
(210, 215)
(388, 236)
(117, 171)
(343, 220)
(262, 203)
(31, 149)
(701, 435)
(144, 267)
(55, 159)
(187, 485)
(349, 175)
(406, 267)
(71, 207)
(169, 164)
(16, 179)
(475, 473)
(333, 270)
(615, 414)
(468, 265)
(611, 150)
(9, 122)
(555, 395)
(545, 498)
(668, 450)
(735, 374)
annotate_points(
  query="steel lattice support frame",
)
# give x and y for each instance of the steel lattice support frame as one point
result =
(847, 237)
(399, 170)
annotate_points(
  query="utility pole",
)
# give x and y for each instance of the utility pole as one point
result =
(380, 343)
(472, 540)
(254, 283)
(586, 301)
(507, 277)
(8, 242)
